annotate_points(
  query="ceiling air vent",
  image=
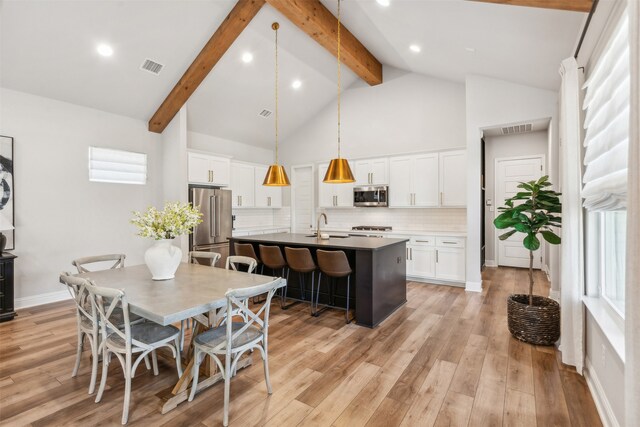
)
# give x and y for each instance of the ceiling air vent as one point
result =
(265, 113)
(151, 66)
(510, 130)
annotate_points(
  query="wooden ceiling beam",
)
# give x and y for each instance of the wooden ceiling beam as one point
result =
(237, 20)
(318, 22)
(571, 5)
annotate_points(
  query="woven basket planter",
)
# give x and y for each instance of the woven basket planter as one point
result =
(538, 323)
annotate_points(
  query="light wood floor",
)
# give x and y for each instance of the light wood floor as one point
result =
(445, 358)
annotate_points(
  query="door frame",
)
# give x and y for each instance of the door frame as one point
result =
(293, 193)
(497, 160)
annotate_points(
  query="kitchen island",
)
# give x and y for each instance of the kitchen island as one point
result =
(378, 278)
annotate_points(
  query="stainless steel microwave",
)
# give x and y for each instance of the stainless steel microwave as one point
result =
(371, 196)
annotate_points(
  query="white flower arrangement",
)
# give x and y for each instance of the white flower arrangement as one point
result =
(174, 220)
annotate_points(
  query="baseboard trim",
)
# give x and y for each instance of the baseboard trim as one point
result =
(603, 406)
(40, 299)
(473, 286)
(490, 263)
(435, 282)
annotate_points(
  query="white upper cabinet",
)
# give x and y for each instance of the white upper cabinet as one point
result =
(413, 181)
(453, 178)
(207, 169)
(333, 195)
(372, 171)
(242, 185)
(266, 196)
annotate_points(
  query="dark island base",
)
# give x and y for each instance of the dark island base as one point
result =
(378, 283)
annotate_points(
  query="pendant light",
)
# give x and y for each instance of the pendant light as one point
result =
(276, 175)
(339, 171)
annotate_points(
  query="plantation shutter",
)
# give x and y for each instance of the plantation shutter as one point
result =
(607, 125)
(116, 166)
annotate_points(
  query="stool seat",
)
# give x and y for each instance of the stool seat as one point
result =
(301, 261)
(246, 249)
(272, 257)
(334, 264)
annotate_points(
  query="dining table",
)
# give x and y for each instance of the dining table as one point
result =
(196, 292)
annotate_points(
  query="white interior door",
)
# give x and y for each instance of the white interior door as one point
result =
(302, 198)
(509, 173)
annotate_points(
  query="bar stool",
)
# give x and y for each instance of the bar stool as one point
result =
(272, 258)
(335, 265)
(300, 261)
(246, 249)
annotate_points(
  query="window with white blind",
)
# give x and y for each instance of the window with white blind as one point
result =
(116, 166)
(606, 142)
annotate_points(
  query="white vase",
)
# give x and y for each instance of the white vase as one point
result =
(163, 259)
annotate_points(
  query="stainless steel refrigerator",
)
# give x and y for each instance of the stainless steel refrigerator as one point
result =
(213, 233)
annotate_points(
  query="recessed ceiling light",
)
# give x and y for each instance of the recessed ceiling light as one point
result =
(247, 57)
(297, 84)
(415, 48)
(469, 49)
(384, 3)
(104, 49)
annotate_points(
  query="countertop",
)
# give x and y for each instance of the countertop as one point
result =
(395, 232)
(354, 243)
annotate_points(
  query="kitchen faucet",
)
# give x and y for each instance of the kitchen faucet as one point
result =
(325, 223)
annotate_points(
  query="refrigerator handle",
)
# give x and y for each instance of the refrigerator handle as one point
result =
(217, 211)
(212, 210)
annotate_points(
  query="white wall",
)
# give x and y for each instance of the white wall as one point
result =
(407, 113)
(491, 103)
(525, 144)
(236, 150)
(59, 214)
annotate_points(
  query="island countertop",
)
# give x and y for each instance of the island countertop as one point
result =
(351, 242)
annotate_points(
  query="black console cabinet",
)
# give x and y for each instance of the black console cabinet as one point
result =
(7, 311)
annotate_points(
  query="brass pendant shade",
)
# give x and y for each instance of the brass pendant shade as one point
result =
(276, 175)
(338, 172)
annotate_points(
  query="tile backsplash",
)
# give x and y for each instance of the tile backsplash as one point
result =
(249, 218)
(399, 219)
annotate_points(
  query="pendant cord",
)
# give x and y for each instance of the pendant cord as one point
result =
(339, 79)
(275, 26)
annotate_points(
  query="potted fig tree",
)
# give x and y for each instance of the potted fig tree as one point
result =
(533, 211)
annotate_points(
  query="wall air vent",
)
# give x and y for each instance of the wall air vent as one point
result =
(265, 113)
(151, 66)
(510, 130)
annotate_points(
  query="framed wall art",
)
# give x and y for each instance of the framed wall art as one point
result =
(6, 188)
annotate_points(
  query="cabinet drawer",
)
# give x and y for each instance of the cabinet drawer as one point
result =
(450, 242)
(423, 241)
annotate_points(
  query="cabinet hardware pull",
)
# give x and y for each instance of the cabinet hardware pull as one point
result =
(441, 198)
(423, 241)
(411, 250)
(407, 254)
(437, 255)
(449, 243)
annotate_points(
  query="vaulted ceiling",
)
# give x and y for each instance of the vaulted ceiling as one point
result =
(48, 48)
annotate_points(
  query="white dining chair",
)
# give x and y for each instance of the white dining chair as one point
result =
(229, 341)
(87, 324)
(204, 258)
(81, 263)
(235, 261)
(137, 340)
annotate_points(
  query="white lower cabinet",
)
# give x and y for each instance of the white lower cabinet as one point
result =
(439, 258)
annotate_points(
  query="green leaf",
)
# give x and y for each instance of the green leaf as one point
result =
(526, 186)
(506, 235)
(504, 220)
(523, 228)
(531, 242)
(551, 237)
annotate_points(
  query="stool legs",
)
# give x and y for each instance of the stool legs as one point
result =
(314, 312)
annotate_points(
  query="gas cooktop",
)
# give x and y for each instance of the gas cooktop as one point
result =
(371, 228)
